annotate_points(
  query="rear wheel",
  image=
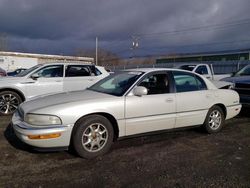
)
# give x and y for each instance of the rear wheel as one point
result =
(215, 120)
(9, 102)
(92, 136)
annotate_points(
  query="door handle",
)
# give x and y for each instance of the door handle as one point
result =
(28, 82)
(169, 100)
(208, 95)
(58, 80)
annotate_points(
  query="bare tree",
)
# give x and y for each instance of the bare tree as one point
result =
(105, 58)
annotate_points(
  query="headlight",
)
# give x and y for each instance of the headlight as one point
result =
(38, 119)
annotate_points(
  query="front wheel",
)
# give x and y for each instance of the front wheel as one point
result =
(9, 102)
(92, 136)
(215, 120)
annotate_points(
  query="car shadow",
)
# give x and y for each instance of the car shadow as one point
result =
(245, 112)
(168, 137)
(14, 141)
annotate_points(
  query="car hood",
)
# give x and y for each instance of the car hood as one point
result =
(238, 79)
(10, 79)
(61, 98)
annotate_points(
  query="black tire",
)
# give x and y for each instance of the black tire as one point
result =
(9, 102)
(100, 138)
(215, 120)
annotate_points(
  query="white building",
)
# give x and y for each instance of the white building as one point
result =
(12, 60)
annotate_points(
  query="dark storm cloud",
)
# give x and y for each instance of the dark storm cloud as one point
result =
(57, 26)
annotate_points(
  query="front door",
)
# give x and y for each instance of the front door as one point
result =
(46, 80)
(154, 111)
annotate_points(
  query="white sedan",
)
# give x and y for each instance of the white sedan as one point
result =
(45, 79)
(124, 104)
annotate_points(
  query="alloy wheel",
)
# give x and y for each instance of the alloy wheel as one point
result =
(215, 119)
(8, 103)
(94, 137)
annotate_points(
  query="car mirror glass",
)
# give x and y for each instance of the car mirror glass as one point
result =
(140, 90)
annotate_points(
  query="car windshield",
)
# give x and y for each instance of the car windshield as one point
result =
(116, 84)
(187, 67)
(27, 71)
(244, 71)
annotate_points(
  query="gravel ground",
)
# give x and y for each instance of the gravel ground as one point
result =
(189, 158)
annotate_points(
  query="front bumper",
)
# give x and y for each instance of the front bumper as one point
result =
(23, 130)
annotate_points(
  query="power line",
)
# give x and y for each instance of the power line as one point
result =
(212, 26)
(197, 45)
(192, 45)
(196, 28)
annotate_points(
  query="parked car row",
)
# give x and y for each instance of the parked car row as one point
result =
(122, 104)
(44, 79)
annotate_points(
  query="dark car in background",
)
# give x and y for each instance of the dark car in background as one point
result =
(2, 72)
(241, 80)
(15, 72)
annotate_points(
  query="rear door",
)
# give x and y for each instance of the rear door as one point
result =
(192, 99)
(79, 77)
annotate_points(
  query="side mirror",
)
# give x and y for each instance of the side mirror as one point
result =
(34, 76)
(140, 90)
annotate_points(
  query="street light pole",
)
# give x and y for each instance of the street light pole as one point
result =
(96, 50)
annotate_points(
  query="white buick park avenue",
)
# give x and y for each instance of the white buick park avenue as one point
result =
(44, 79)
(123, 104)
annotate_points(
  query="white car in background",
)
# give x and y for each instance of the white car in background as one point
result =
(124, 104)
(45, 79)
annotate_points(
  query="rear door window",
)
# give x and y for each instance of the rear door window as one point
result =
(185, 82)
(78, 71)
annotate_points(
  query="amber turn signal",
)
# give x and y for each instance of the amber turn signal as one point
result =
(45, 136)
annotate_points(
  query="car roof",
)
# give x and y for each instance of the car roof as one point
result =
(67, 63)
(146, 70)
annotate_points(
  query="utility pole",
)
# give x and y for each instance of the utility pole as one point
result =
(135, 45)
(96, 50)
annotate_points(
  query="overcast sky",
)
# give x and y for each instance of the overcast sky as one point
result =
(160, 26)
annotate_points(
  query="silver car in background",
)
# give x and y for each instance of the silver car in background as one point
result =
(124, 104)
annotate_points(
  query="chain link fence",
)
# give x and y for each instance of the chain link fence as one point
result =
(220, 67)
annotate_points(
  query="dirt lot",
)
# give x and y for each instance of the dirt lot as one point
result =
(188, 158)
